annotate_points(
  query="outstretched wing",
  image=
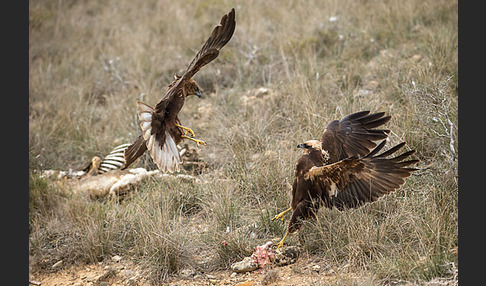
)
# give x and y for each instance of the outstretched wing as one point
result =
(354, 181)
(353, 135)
(208, 52)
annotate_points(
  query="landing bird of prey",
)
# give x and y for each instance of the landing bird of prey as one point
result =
(161, 127)
(344, 170)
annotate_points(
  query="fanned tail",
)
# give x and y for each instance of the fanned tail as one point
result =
(161, 145)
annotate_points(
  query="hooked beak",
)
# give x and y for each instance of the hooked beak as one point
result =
(198, 93)
(301, 145)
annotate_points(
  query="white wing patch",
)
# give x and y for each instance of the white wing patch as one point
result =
(166, 156)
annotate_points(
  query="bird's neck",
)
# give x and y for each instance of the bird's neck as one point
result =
(319, 156)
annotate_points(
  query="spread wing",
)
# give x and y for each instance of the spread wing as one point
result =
(208, 52)
(353, 135)
(355, 181)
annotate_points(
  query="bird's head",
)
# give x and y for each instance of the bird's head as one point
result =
(312, 146)
(192, 88)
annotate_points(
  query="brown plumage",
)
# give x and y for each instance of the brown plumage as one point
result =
(344, 170)
(161, 129)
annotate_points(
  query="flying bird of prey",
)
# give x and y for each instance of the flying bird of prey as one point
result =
(344, 169)
(161, 127)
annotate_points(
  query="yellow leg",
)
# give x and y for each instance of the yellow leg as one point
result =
(198, 142)
(186, 130)
(280, 215)
(281, 243)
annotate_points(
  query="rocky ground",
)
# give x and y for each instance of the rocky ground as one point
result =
(306, 270)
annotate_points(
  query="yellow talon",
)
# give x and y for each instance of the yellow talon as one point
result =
(281, 243)
(280, 215)
(186, 130)
(198, 142)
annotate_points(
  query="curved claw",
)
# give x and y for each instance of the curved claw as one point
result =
(198, 142)
(281, 243)
(280, 215)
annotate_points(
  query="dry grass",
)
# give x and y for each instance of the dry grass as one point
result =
(89, 62)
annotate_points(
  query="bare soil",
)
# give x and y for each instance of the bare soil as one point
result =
(306, 271)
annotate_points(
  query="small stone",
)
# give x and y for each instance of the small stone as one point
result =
(316, 268)
(213, 281)
(244, 266)
(116, 258)
(103, 283)
(262, 91)
(107, 275)
(128, 273)
(57, 264)
(187, 272)
(233, 275)
(416, 58)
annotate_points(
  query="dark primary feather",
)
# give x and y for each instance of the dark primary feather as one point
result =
(353, 135)
(208, 52)
(362, 180)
